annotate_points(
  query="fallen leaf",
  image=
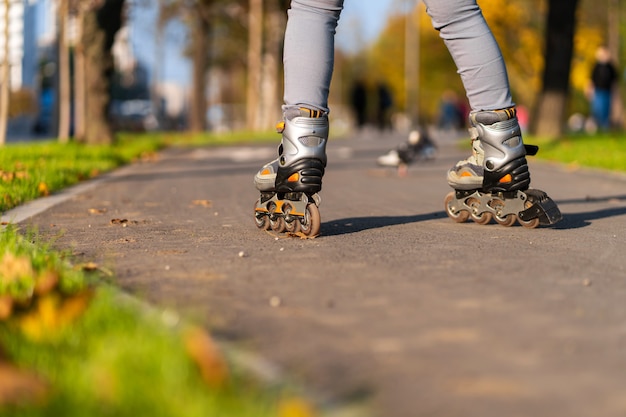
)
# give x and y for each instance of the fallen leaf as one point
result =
(203, 203)
(301, 235)
(43, 188)
(97, 211)
(91, 267)
(20, 387)
(51, 313)
(46, 281)
(14, 267)
(295, 407)
(6, 307)
(119, 221)
(205, 353)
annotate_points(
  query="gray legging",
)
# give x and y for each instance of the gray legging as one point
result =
(310, 40)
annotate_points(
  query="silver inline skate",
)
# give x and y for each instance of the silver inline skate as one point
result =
(494, 182)
(290, 184)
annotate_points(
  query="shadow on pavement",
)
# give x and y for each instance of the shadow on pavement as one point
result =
(583, 219)
(578, 220)
(358, 224)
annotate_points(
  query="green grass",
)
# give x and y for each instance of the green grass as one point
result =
(32, 170)
(604, 151)
(117, 360)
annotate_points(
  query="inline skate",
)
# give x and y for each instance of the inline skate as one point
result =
(290, 184)
(493, 183)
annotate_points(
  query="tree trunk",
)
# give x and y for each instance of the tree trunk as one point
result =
(550, 113)
(99, 25)
(255, 49)
(197, 112)
(64, 91)
(4, 70)
(270, 110)
(79, 93)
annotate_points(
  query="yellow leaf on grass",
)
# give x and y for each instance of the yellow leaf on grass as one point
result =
(43, 188)
(205, 353)
(46, 281)
(295, 407)
(6, 307)
(51, 313)
(20, 387)
(14, 267)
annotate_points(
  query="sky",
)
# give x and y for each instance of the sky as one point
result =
(361, 21)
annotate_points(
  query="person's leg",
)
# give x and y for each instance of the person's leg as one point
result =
(296, 175)
(498, 161)
(494, 181)
(602, 108)
(308, 65)
(309, 52)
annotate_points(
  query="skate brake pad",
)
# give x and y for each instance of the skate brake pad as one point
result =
(531, 149)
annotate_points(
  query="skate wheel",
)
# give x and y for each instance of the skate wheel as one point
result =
(459, 216)
(278, 224)
(311, 223)
(479, 218)
(261, 220)
(292, 224)
(506, 221)
(482, 218)
(530, 224)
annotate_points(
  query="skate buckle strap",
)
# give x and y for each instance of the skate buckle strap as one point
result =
(543, 208)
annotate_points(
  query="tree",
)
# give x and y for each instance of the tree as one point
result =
(4, 70)
(201, 17)
(99, 20)
(255, 59)
(63, 82)
(550, 111)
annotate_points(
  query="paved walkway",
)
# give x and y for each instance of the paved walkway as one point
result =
(395, 306)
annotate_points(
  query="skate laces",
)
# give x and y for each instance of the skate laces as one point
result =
(293, 112)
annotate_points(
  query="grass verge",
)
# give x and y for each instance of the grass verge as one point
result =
(79, 347)
(72, 345)
(604, 151)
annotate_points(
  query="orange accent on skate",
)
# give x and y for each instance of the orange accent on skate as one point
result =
(466, 174)
(506, 178)
(265, 172)
(280, 126)
(294, 177)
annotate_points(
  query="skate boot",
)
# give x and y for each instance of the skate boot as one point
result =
(493, 183)
(289, 184)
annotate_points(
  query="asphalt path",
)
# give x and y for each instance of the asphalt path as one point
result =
(394, 306)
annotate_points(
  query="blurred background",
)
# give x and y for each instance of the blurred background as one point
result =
(83, 70)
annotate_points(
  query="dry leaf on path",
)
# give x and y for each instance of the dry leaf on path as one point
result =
(203, 203)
